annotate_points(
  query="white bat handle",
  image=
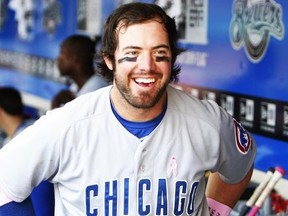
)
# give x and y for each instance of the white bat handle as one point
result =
(279, 172)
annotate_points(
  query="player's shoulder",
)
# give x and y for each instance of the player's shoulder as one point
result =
(183, 102)
(192, 109)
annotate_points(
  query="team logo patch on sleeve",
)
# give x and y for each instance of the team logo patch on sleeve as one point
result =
(242, 138)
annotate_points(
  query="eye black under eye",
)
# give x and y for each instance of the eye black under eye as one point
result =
(162, 58)
(130, 59)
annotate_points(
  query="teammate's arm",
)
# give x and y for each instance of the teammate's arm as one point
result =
(227, 194)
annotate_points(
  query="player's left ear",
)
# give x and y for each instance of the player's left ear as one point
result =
(108, 63)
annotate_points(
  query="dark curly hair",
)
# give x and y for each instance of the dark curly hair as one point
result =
(134, 13)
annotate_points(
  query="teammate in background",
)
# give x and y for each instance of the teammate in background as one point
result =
(61, 98)
(12, 117)
(139, 146)
(76, 62)
(13, 120)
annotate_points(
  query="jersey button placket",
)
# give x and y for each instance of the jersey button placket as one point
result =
(142, 165)
(141, 161)
(142, 168)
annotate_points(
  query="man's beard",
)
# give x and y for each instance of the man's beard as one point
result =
(143, 100)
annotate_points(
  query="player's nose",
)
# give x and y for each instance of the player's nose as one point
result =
(146, 62)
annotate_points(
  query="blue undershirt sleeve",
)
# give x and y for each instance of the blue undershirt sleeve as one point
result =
(24, 208)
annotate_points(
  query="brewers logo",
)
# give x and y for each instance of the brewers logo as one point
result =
(252, 25)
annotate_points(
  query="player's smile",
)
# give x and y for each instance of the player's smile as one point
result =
(145, 81)
(145, 85)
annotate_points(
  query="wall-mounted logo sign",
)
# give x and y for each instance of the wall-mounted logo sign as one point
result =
(24, 15)
(191, 18)
(51, 15)
(285, 121)
(252, 24)
(227, 102)
(246, 112)
(268, 117)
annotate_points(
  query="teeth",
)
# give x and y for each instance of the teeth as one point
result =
(145, 80)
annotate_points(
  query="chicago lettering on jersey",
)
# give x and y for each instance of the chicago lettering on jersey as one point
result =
(183, 197)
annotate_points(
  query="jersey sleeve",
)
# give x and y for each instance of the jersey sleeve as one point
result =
(237, 149)
(29, 158)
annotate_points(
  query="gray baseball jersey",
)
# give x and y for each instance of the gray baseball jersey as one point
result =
(99, 168)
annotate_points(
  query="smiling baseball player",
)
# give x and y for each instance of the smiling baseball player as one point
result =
(139, 146)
